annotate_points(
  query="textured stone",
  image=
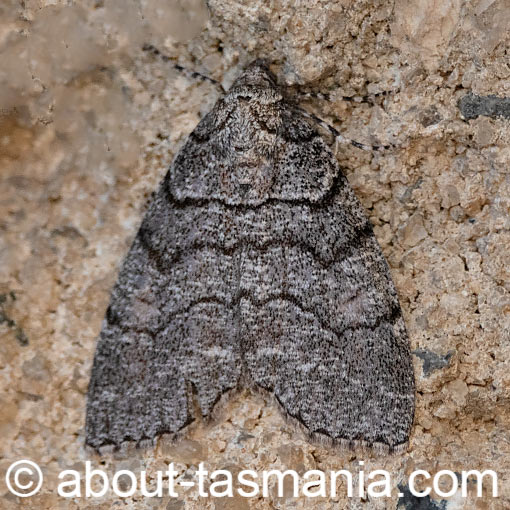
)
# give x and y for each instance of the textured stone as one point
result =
(472, 106)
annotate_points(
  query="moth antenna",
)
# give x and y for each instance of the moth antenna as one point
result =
(368, 99)
(341, 138)
(149, 48)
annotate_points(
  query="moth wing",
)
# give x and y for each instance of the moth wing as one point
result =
(326, 333)
(164, 342)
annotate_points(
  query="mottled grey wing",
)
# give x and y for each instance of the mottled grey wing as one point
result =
(164, 342)
(321, 320)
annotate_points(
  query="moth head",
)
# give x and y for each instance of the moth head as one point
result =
(257, 82)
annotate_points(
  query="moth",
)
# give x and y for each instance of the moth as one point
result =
(254, 266)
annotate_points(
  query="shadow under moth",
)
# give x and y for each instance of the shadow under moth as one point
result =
(254, 266)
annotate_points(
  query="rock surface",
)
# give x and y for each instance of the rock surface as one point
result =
(88, 126)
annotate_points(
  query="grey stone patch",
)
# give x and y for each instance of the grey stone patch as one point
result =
(19, 334)
(407, 195)
(432, 361)
(36, 368)
(31, 396)
(411, 502)
(4, 319)
(21, 337)
(430, 116)
(69, 232)
(472, 106)
(175, 504)
(243, 436)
